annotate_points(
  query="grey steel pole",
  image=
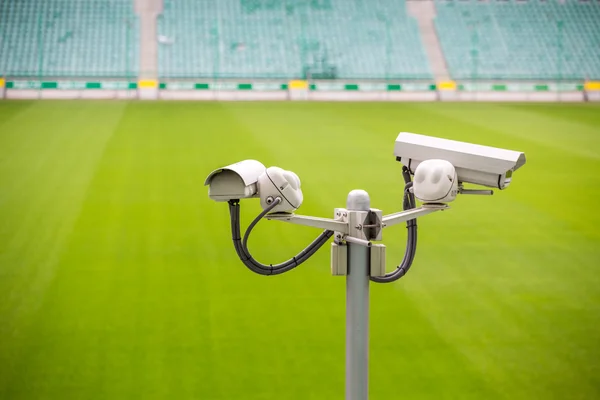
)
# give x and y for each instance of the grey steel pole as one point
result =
(357, 309)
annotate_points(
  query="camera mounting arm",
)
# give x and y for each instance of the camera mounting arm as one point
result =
(403, 216)
(338, 225)
(315, 222)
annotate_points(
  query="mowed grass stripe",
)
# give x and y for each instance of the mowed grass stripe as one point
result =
(49, 152)
(243, 344)
(519, 284)
(150, 300)
(580, 113)
(138, 220)
(118, 272)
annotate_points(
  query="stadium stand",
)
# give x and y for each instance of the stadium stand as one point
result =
(78, 38)
(344, 39)
(282, 39)
(516, 39)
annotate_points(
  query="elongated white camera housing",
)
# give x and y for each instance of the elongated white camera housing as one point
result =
(235, 181)
(477, 164)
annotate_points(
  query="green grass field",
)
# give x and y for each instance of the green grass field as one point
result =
(118, 279)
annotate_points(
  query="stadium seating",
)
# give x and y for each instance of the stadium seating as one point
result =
(347, 39)
(282, 39)
(513, 39)
(68, 38)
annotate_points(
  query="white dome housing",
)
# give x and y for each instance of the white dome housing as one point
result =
(277, 182)
(435, 182)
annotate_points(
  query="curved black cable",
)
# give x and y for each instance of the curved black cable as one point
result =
(244, 254)
(263, 269)
(293, 262)
(411, 241)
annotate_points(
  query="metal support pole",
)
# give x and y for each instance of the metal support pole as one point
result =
(357, 309)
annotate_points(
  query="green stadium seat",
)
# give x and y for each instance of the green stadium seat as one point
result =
(346, 39)
(281, 39)
(54, 38)
(515, 39)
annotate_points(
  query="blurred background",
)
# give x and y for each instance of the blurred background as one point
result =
(118, 278)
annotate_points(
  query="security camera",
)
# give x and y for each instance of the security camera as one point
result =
(235, 181)
(277, 182)
(473, 163)
(250, 179)
(435, 182)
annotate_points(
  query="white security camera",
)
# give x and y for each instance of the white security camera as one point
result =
(481, 165)
(251, 179)
(277, 182)
(235, 181)
(435, 182)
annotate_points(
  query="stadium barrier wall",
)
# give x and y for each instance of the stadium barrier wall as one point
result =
(147, 89)
(592, 90)
(302, 90)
